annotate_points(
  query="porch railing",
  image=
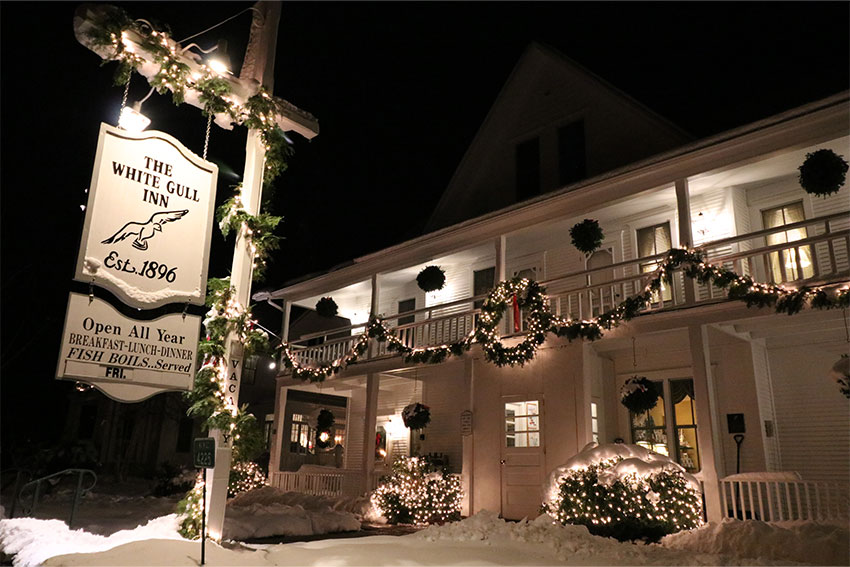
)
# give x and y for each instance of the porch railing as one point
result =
(342, 483)
(782, 496)
(820, 257)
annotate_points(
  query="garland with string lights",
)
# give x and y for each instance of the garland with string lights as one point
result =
(207, 397)
(539, 321)
(257, 113)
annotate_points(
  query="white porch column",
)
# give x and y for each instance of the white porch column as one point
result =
(370, 423)
(708, 428)
(373, 312)
(286, 306)
(686, 238)
(501, 243)
(278, 431)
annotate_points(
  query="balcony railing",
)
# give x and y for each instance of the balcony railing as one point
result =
(821, 257)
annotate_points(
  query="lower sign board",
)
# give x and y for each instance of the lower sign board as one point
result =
(128, 359)
(203, 453)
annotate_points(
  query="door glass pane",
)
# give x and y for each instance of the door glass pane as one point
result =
(522, 424)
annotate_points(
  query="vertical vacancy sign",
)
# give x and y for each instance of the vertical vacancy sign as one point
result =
(146, 239)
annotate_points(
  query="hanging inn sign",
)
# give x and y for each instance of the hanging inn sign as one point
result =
(146, 240)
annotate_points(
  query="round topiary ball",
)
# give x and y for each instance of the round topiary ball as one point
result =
(326, 307)
(587, 236)
(431, 278)
(823, 173)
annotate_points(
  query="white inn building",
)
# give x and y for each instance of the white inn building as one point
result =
(558, 146)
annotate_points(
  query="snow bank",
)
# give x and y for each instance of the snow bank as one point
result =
(266, 512)
(805, 542)
(32, 541)
(574, 545)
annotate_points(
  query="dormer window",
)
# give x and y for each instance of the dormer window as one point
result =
(572, 159)
(528, 169)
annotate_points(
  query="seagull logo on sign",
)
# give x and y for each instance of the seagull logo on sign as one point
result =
(144, 231)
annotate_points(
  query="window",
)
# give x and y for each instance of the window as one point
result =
(653, 240)
(677, 439)
(482, 282)
(792, 263)
(685, 422)
(649, 428)
(404, 306)
(249, 370)
(571, 153)
(301, 436)
(268, 427)
(528, 169)
(522, 424)
(594, 421)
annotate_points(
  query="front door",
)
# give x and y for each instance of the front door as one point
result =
(522, 457)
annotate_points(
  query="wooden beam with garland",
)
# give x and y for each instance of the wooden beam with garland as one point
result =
(540, 321)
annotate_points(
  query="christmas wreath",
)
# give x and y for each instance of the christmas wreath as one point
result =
(638, 394)
(587, 236)
(416, 416)
(326, 307)
(431, 278)
(823, 172)
(324, 423)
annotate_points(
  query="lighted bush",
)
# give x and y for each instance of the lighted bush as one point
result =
(244, 476)
(625, 492)
(417, 492)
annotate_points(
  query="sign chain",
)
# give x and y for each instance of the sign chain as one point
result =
(207, 137)
(126, 92)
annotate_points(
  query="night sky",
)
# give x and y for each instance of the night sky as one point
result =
(399, 90)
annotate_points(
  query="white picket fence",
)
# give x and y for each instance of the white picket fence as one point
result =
(782, 496)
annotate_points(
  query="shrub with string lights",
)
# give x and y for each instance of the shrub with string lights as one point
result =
(625, 492)
(244, 476)
(417, 492)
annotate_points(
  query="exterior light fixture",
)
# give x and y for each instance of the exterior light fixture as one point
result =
(272, 365)
(132, 119)
(219, 62)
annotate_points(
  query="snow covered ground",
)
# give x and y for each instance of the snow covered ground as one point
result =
(483, 539)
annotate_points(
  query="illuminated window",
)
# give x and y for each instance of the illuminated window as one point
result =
(649, 428)
(653, 240)
(678, 438)
(301, 436)
(791, 263)
(522, 424)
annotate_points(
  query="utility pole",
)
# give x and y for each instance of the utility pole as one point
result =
(258, 65)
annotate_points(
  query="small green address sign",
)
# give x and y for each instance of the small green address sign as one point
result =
(203, 453)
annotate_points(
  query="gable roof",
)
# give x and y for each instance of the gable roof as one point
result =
(538, 66)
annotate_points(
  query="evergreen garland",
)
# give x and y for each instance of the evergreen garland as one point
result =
(259, 230)
(539, 321)
(823, 172)
(113, 31)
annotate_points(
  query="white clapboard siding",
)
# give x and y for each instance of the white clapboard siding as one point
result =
(445, 394)
(813, 423)
(718, 221)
